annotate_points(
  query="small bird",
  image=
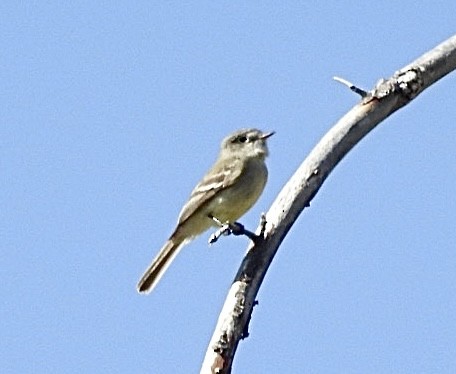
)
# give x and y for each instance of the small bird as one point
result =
(226, 192)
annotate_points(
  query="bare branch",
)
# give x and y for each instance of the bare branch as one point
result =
(387, 97)
(351, 86)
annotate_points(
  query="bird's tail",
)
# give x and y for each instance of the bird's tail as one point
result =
(159, 265)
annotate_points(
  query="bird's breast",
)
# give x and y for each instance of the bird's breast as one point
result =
(234, 201)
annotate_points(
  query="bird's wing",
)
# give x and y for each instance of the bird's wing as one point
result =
(222, 175)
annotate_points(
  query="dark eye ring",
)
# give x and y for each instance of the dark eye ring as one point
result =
(243, 139)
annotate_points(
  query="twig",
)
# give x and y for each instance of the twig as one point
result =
(352, 87)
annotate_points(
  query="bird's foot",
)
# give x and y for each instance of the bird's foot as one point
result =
(230, 228)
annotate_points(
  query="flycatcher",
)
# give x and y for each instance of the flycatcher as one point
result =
(225, 193)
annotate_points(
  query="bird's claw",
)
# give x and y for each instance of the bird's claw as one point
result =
(228, 228)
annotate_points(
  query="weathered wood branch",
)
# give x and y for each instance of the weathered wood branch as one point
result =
(387, 97)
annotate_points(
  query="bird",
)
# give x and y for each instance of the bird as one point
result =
(226, 192)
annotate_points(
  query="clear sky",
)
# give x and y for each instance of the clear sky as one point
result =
(111, 112)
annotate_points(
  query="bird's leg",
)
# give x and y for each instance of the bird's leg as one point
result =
(224, 229)
(229, 228)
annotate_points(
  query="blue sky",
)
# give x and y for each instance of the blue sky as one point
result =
(111, 112)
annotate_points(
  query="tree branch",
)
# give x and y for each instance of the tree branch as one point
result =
(387, 97)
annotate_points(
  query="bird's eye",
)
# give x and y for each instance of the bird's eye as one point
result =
(243, 139)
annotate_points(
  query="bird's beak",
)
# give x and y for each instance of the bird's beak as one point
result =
(267, 135)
